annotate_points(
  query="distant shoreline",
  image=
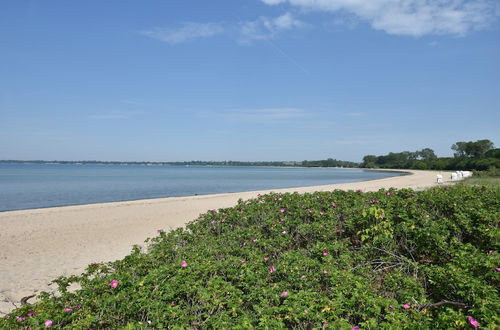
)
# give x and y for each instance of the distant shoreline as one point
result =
(284, 163)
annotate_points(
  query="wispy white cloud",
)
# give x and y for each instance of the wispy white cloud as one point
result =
(357, 114)
(410, 17)
(187, 31)
(114, 115)
(265, 28)
(267, 115)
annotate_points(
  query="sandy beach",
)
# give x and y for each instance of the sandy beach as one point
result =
(37, 246)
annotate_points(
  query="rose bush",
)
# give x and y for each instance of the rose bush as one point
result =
(389, 259)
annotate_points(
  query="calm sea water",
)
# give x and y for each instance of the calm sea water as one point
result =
(27, 186)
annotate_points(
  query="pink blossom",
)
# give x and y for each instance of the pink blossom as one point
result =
(406, 306)
(325, 253)
(490, 252)
(325, 324)
(78, 306)
(497, 269)
(272, 269)
(334, 204)
(283, 232)
(473, 322)
(266, 258)
(31, 314)
(48, 323)
(321, 212)
(325, 272)
(282, 210)
(68, 309)
(158, 231)
(20, 318)
(184, 264)
(388, 193)
(356, 327)
(243, 261)
(284, 293)
(113, 283)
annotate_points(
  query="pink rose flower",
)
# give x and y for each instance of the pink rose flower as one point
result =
(325, 253)
(266, 258)
(48, 323)
(473, 322)
(334, 204)
(113, 283)
(272, 269)
(68, 309)
(325, 272)
(282, 210)
(406, 306)
(184, 264)
(284, 293)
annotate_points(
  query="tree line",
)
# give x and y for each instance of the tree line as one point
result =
(479, 155)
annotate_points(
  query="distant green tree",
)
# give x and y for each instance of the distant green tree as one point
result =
(471, 149)
(369, 161)
(426, 154)
(493, 153)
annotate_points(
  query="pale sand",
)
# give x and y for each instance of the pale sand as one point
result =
(37, 246)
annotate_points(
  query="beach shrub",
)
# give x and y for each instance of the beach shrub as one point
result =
(396, 259)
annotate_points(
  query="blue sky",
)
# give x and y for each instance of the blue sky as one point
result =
(246, 80)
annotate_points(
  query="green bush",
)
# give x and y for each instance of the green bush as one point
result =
(389, 259)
